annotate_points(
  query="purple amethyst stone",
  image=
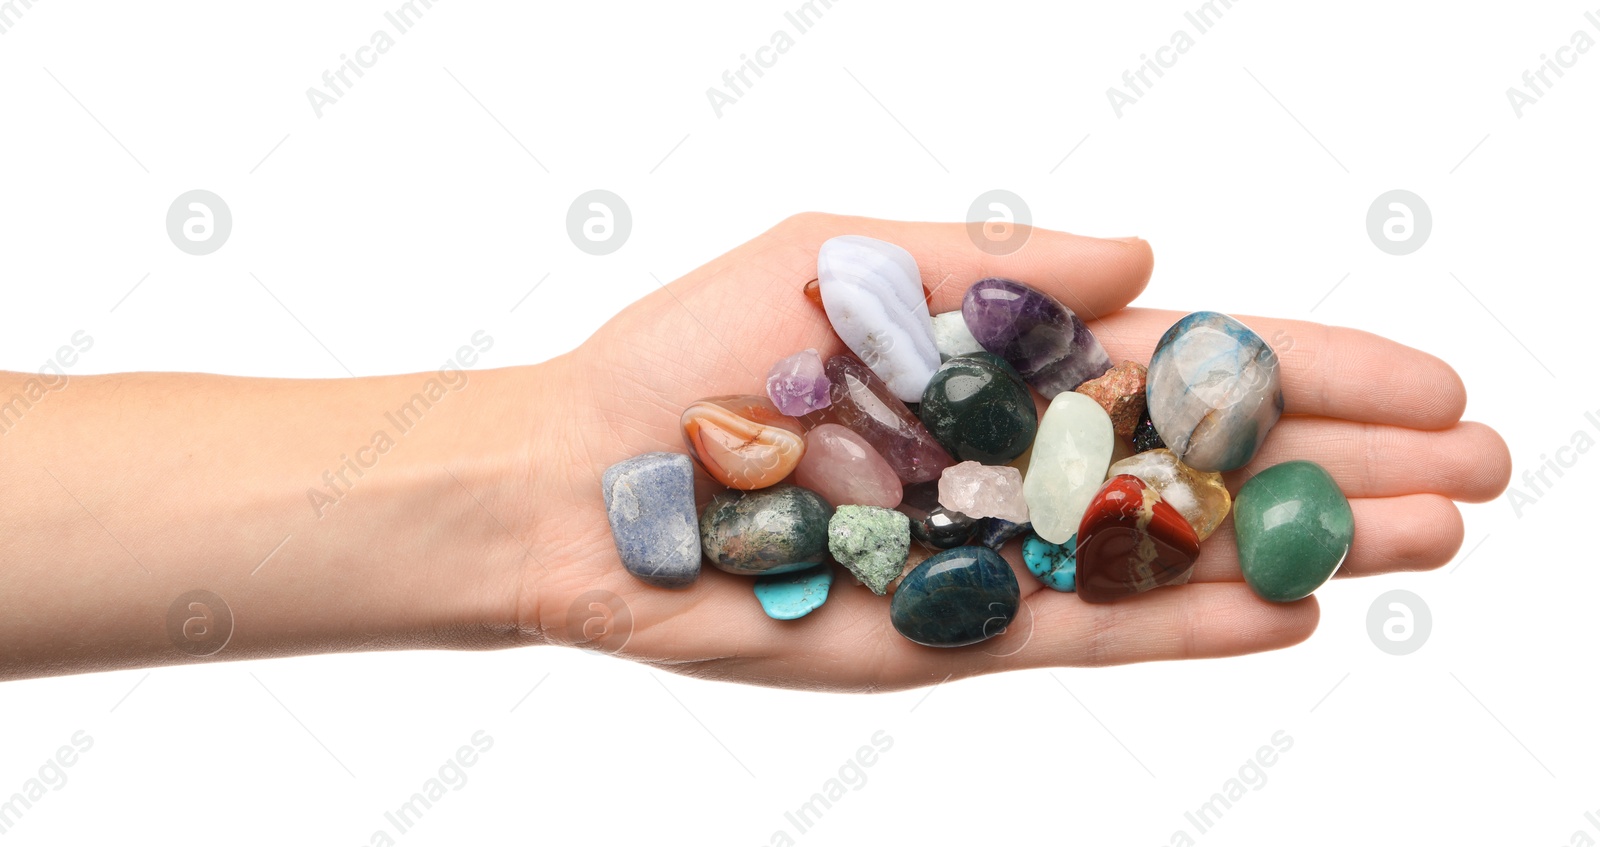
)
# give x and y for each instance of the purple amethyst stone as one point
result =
(1044, 340)
(798, 385)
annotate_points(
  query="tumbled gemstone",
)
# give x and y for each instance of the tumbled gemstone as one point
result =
(979, 409)
(1120, 391)
(865, 406)
(650, 506)
(788, 596)
(1044, 340)
(1213, 391)
(993, 533)
(1056, 565)
(1130, 542)
(951, 336)
(871, 542)
(1145, 436)
(845, 470)
(775, 530)
(984, 491)
(813, 292)
(1294, 529)
(797, 385)
(872, 292)
(956, 597)
(1200, 496)
(933, 524)
(742, 440)
(1070, 457)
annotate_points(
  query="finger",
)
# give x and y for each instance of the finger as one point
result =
(1092, 276)
(1468, 461)
(1417, 532)
(1183, 622)
(1330, 371)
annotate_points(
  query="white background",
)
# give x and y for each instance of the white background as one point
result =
(408, 216)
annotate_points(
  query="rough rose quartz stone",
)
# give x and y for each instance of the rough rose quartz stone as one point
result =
(845, 470)
(1041, 338)
(797, 385)
(984, 491)
(742, 440)
(863, 404)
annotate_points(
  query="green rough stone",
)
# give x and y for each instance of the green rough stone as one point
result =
(1294, 529)
(872, 542)
(979, 408)
(772, 530)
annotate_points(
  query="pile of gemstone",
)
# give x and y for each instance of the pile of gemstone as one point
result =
(930, 435)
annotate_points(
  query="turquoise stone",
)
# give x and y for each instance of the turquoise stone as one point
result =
(956, 597)
(1213, 391)
(1294, 528)
(1056, 565)
(788, 596)
(772, 530)
(979, 409)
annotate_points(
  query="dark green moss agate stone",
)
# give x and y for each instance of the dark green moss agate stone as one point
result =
(979, 409)
(772, 530)
(956, 597)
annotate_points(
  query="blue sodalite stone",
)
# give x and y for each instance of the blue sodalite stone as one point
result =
(788, 596)
(993, 533)
(1213, 391)
(650, 505)
(1056, 565)
(956, 597)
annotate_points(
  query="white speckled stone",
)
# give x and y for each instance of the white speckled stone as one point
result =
(984, 491)
(872, 292)
(951, 336)
(1070, 457)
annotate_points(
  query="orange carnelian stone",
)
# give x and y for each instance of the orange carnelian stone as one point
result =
(742, 440)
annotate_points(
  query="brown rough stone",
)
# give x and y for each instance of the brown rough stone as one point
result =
(1120, 391)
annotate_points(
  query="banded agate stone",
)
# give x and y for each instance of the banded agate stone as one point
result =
(742, 440)
(872, 293)
(1044, 340)
(1130, 541)
(1213, 391)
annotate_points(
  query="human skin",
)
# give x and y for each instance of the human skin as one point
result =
(484, 526)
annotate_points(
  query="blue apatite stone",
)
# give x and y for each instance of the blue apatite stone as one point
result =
(993, 533)
(650, 505)
(788, 596)
(956, 597)
(1056, 565)
(1213, 391)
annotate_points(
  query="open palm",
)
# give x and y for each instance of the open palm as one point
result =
(1384, 419)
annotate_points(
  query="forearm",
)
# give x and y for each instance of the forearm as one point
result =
(328, 515)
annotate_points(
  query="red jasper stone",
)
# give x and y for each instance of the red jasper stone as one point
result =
(1131, 541)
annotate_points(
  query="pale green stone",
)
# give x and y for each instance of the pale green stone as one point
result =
(872, 542)
(1070, 457)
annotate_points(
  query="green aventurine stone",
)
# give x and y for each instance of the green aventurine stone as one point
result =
(870, 541)
(979, 408)
(1294, 528)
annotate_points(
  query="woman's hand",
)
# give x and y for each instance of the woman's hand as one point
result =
(1383, 418)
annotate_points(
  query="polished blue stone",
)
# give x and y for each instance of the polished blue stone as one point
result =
(650, 505)
(993, 533)
(1056, 565)
(955, 597)
(788, 596)
(1213, 391)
